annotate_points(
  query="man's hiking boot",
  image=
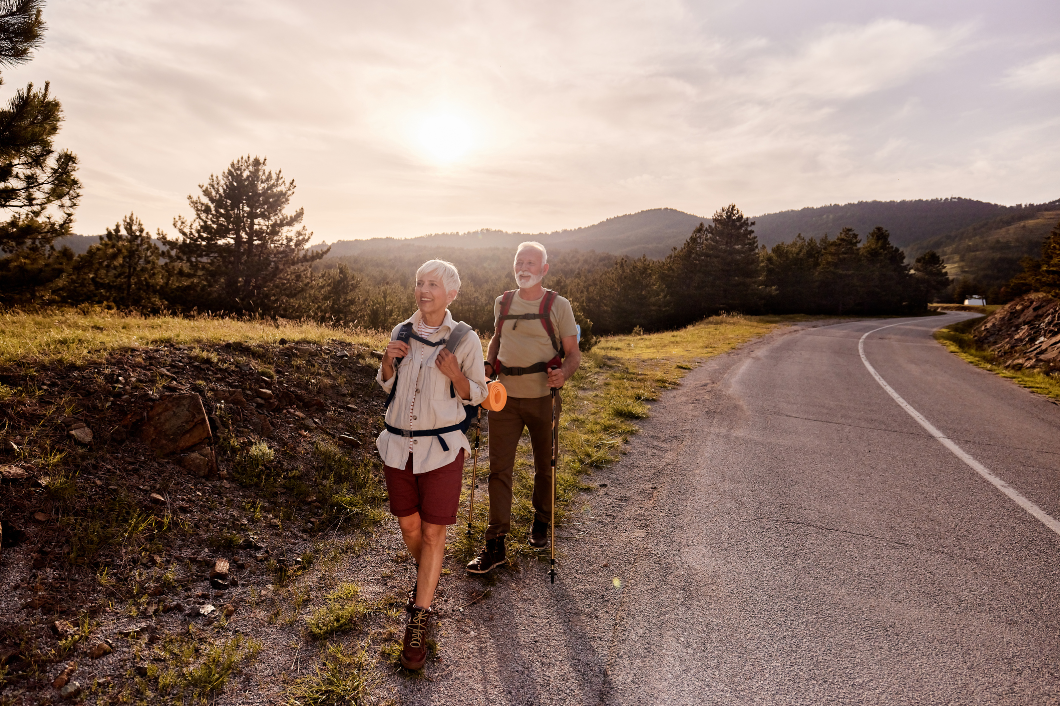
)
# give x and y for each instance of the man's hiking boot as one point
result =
(539, 534)
(492, 556)
(417, 631)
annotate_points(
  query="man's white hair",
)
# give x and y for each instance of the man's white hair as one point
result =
(445, 270)
(536, 246)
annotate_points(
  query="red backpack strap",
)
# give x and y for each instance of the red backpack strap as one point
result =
(546, 319)
(506, 305)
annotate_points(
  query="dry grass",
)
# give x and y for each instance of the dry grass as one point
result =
(76, 337)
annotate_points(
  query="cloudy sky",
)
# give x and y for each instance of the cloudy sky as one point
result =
(406, 117)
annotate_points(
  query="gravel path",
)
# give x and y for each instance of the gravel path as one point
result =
(781, 532)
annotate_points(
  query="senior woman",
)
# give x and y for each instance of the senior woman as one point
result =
(424, 471)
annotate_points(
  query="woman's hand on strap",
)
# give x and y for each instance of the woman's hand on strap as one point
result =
(394, 349)
(449, 365)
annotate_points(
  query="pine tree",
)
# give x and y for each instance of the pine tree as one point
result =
(929, 272)
(241, 251)
(124, 269)
(333, 297)
(840, 273)
(789, 274)
(886, 279)
(39, 189)
(717, 268)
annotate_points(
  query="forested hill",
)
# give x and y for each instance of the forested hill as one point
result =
(652, 233)
(989, 252)
(656, 231)
(907, 221)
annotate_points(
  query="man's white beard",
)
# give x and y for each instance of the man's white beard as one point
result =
(525, 280)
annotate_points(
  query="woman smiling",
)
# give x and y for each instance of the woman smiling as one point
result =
(423, 446)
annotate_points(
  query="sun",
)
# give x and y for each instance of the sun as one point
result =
(444, 137)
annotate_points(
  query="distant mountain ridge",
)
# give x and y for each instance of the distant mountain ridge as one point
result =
(654, 232)
(916, 226)
(907, 221)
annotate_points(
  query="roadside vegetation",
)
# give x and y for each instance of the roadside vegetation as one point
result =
(958, 339)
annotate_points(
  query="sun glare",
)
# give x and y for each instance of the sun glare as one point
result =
(444, 137)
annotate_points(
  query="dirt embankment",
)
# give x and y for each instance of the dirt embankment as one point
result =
(148, 500)
(1024, 334)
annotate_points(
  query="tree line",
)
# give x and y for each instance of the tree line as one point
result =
(243, 251)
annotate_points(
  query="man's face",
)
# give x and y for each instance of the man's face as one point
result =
(528, 267)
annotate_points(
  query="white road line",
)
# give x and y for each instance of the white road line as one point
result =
(960, 453)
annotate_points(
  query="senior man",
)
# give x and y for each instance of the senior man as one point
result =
(534, 348)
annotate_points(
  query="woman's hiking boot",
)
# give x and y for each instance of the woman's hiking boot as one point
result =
(417, 631)
(538, 534)
(490, 557)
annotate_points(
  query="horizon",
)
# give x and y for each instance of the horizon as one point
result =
(412, 119)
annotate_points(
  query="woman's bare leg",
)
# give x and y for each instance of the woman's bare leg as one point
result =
(432, 552)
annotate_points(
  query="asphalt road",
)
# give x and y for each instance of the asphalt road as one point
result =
(784, 532)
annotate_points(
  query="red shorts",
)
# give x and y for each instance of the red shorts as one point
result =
(435, 495)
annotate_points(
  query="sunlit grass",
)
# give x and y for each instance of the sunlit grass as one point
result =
(342, 679)
(343, 608)
(958, 339)
(71, 336)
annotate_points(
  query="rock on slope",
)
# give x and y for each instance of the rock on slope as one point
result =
(1025, 333)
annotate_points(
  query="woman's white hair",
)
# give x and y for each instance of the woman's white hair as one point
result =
(536, 246)
(440, 268)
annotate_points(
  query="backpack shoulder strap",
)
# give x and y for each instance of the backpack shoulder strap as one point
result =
(546, 319)
(404, 333)
(506, 306)
(457, 335)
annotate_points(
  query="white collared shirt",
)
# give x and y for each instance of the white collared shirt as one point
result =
(420, 385)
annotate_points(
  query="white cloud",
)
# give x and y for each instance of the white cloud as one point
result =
(578, 110)
(844, 62)
(1037, 75)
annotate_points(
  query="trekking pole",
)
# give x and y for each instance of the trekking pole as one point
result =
(474, 472)
(555, 451)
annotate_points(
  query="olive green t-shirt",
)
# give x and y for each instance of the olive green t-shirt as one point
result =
(525, 342)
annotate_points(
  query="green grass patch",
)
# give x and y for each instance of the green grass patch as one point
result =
(342, 610)
(958, 339)
(79, 336)
(342, 679)
(197, 670)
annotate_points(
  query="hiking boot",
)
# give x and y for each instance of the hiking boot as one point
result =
(491, 557)
(539, 534)
(417, 631)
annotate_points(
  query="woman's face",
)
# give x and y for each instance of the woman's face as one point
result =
(431, 297)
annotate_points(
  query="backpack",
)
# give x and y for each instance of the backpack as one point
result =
(544, 314)
(405, 334)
